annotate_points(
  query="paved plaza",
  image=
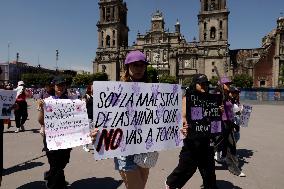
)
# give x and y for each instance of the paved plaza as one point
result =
(260, 149)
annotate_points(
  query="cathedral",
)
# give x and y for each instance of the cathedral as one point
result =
(170, 54)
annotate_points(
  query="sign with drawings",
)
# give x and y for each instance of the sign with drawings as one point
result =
(136, 118)
(7, 100)
(245, 116)
(66, 123)
(203, 113)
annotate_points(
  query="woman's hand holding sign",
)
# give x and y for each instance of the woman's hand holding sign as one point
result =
(93, 134)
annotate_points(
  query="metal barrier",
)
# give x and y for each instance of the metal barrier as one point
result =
(262, 94)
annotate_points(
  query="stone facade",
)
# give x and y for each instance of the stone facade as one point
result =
(264, 63)
(112, 37)
(167, 51)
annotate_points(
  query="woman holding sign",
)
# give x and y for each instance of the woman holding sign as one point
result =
(57, 159)
(197, 151)
(134, 176)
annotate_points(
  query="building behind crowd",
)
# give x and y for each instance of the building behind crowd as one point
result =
(12, 72)
(171, 54)
(166, 50)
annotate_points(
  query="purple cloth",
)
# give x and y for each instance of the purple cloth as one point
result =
(224, 80)
(228, 113)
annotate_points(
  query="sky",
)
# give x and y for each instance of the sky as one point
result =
(37, 28)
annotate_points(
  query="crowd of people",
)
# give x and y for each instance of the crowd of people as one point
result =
(197, 152)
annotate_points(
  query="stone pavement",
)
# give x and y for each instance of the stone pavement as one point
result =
(260, 149)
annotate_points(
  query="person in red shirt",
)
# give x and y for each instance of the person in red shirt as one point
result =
(21, 113)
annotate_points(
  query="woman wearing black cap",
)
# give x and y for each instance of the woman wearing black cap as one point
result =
(197, 152)
(57, 159)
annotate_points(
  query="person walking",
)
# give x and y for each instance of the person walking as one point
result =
(57, 159)
(21, 112)
(226, 144)
(88, 98)
(198, 151)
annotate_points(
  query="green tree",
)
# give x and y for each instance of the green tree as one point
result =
(187, 81)
(36, 79)
(243, 81)
(152, 74)
(167, 79)
(214, 80)
(99, 76)
(82, 80)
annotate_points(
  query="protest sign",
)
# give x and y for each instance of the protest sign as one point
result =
(245, 116)
(7, 100)
(66, 123)
(135, 118)
(203, 114)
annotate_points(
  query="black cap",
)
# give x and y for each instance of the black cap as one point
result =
(234, 89)
(58, 80)
(200, 78)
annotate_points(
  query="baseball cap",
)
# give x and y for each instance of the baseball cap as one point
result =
(20, 83)
(234, 89)
(58, 80)
(135, 56)
(200, 78)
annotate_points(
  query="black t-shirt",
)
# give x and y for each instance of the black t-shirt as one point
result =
(89, 105)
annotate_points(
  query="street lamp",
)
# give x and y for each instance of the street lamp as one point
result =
(56, 60)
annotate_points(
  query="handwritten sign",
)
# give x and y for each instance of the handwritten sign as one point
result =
(245, 116)
(66, 123)
(203, 114)
(135, 118)
(7, 100)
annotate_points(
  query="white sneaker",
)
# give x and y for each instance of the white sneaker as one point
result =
(86, 149)
(17, 130)
(242, 175)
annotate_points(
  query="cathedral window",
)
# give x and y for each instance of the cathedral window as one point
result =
(206, 5)
(213, 5)
(104, 13)
(108, 14)
(221, 24)
(205, 26)
(113, 38)
(221, 35)
(205, 36)
(102, 39)
(108, 41)
(113, 12)
(213, 33)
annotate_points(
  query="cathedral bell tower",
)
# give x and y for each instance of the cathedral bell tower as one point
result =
(213, 37)
(112, 37)
(213, 21)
